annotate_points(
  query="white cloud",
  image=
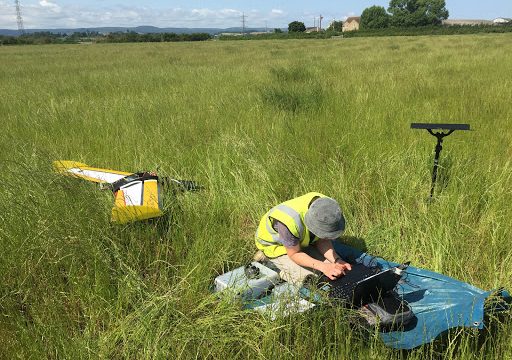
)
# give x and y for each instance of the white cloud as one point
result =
(229, 12)
(38, 14)
(7, 15)
(49, 5)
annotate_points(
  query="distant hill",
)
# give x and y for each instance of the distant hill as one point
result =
(138, 29)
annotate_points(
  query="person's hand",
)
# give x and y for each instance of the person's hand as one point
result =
(346, 265)
(333, 271)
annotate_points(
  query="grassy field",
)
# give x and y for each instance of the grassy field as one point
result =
(256, 123)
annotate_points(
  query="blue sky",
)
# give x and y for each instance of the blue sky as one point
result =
(209, 13)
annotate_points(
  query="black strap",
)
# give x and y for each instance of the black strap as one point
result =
(131, 178)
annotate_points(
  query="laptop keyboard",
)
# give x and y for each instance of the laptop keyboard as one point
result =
(343, 288)
(344, 293)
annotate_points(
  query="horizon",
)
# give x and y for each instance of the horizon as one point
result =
(62, 14)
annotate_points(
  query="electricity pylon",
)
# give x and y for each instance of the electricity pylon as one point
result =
(19, 19)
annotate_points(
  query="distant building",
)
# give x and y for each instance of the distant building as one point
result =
(352, 23)
(310, 30)
(502, 21)
(497, 21)
(229, 34)
(461, 22)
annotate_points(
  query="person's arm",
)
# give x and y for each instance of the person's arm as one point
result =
(331, 270)
(327, 250)
(294, 252)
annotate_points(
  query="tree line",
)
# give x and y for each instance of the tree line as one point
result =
(405, 14)
(400, 14)
(389, 31)
(429, 30)
(153, 37)
(404, 17)
(39, 38)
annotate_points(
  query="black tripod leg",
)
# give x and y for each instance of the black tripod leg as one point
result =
(439, 147)
(439, 136)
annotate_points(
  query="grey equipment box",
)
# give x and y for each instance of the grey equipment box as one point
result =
(237, 282)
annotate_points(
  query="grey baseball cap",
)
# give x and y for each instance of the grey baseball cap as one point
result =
(325, 219)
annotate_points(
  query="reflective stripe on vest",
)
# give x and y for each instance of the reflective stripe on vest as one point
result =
(291, 214)
(294, 215)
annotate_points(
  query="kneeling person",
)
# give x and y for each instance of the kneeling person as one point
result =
(297, 235)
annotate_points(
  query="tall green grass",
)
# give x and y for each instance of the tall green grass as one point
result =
(257, 123)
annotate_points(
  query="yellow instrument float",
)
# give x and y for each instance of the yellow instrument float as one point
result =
(137, 196)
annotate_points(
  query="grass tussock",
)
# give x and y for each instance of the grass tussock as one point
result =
(294, 89)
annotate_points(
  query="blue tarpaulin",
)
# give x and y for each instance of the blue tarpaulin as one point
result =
(439, 302)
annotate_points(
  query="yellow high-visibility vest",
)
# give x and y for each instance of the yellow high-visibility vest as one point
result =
(291, 214)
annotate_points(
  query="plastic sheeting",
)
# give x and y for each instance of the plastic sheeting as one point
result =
(438, 302)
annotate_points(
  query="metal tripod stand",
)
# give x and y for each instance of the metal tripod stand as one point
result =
(440, 136)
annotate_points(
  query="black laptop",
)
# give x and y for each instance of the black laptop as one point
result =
(360, 286)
